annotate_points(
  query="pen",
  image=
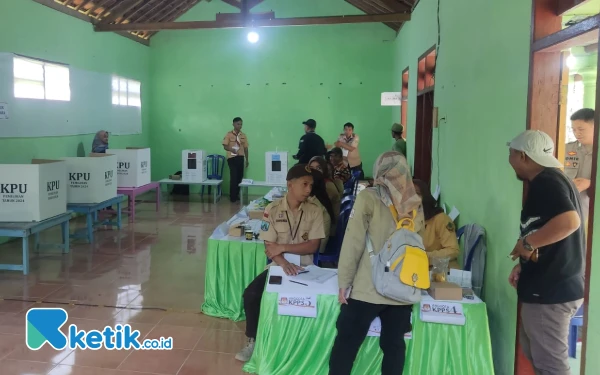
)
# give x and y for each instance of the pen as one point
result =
(295, 282)
(301, 272)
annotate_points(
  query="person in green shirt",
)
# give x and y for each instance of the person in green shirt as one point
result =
(400, 144)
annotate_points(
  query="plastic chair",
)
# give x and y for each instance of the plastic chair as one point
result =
(469, 254)
(334, 246)
(214, 165)
(576, 322)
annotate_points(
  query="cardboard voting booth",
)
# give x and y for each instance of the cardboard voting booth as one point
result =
(91, 179)
(133, 166)
(193, 166)
(276, 167)
(33, 192)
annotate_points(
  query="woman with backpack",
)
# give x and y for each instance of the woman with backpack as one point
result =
(393, 192)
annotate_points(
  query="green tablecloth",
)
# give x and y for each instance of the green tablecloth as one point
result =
(230, 266)
(296, 346)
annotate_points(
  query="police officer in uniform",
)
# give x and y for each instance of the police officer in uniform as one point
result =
(311, 144)
(291, 226)
(578, 155)
(236, 144)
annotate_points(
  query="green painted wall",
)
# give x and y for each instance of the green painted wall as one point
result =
(481, 89)
(34, 30)
(202, 79)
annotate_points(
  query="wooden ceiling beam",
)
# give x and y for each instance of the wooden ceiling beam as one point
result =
(298, 21)
(119, 10)
(155, 4)
(238, 3)
(83, 3)
(97, 4)
(148, 34)
(173, 12)
(73, 13)
(369, 9)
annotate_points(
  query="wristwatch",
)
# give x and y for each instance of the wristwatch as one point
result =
(527, 246)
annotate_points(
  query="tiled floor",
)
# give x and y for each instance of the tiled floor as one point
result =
(156, 264)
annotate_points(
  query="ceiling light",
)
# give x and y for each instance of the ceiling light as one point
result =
(253, 37)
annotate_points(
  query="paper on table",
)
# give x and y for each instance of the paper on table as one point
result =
(462, 278)
(315, 274)
(247, 181)
(436, 193)
(454, 213)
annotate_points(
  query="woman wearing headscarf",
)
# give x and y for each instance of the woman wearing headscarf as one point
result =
(100, 144)
(320, 164)
(392, 190)
(319, 197)
(439, 236)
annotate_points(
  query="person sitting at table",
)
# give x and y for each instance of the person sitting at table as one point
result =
(361, 303)
(292, 225)
(333, 190)
(341, 171)
(100, 143)
(319, 197)
(439, 237)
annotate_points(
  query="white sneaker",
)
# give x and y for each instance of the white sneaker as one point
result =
(245, 354)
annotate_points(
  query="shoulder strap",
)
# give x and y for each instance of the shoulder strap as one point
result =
(405, 223)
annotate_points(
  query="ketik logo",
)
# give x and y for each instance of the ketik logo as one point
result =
(144, 164)
(52, 185)
(13, 188)
(79, 177)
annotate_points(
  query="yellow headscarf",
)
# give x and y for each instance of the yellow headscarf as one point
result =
(393, 180)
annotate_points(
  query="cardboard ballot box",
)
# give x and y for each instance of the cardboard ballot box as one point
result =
(33, 192)
(193, 166)
(91, 179)
(276, 167)
(133, 166)
(445, 291)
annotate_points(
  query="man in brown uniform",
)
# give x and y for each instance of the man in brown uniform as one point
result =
(578, 156)
(236, 145)
(348, 142)
(292, 229)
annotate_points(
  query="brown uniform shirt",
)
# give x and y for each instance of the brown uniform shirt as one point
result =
(240, 140)
(440, 239)
(281, 226)
(578, 164)
(369, 215)
(352, 157)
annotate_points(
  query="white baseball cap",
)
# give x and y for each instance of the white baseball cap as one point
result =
(538, 146)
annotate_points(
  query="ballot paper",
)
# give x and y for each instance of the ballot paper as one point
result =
(461, 278)
(314, 274)
(292, 258)
(454, 213)
(436, 193)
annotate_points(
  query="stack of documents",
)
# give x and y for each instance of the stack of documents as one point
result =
(314, 274)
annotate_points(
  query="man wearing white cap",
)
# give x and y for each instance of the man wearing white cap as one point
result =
(550, 275)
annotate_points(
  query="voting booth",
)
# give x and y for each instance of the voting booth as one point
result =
(193, 166)
(133, 166)
(33, 192)
(91, 179)
(276, 167)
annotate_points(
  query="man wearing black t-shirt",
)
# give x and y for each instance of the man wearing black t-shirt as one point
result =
(550, 273)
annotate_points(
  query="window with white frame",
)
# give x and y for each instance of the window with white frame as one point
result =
(126, 92)
(36, 79)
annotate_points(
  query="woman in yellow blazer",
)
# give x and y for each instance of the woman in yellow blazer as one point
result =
(439, 236)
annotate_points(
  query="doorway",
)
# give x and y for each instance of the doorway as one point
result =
(424, 120)
(562, 80)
